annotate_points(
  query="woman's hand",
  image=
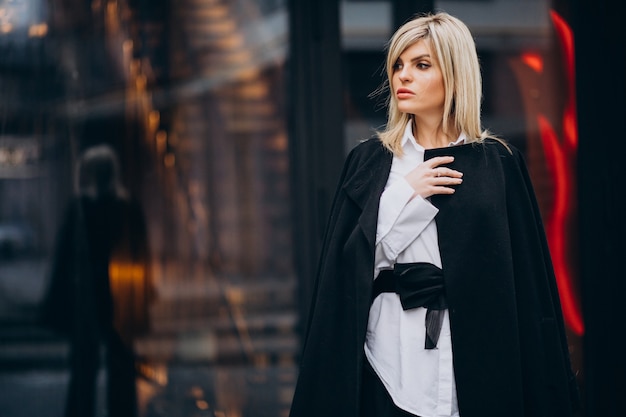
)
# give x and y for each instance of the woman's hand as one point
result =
(430, 177)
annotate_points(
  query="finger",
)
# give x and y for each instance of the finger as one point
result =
(447, 172)
(443, 172)
(447, 181)
(442, 190)
(438, 160)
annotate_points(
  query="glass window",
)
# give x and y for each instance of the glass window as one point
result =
(365, 28)
(145, 208)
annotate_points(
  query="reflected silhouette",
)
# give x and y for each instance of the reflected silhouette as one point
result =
(100, 286)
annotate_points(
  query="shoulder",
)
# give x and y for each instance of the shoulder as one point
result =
(367, 154)
(368, 146)
(366, 150)
(513, 165)
(507, 152)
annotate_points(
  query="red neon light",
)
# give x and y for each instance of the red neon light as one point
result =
(566, 39)
(533, 60)
(561, 172)
(560, 157)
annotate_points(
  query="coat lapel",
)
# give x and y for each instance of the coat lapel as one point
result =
(366, 185)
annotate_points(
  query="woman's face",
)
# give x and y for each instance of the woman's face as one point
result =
(417, 82)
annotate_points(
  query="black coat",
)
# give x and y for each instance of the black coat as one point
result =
(510, 350)
(94, 306)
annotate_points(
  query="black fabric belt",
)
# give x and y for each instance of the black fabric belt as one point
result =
(419, 284)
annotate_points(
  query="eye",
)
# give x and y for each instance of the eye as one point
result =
(423, 65)
(397, 66)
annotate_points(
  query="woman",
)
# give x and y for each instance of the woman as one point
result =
(435, 294)
(92, 297)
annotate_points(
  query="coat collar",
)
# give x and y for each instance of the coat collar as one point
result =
(367, 182)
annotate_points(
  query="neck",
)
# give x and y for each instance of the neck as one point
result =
(430, 134)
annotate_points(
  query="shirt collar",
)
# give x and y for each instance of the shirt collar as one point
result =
(460, 141)
(409, 138)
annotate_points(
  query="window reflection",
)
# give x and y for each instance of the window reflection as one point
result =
(190, 94)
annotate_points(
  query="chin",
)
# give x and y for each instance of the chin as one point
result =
(406, 109)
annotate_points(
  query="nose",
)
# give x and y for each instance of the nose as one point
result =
(404, 74)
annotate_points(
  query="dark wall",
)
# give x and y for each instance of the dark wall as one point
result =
(601, 88)
(315, 130)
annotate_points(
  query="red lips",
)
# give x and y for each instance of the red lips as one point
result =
(404, 93)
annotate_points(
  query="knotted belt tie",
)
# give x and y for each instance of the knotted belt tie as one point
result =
(419, 284)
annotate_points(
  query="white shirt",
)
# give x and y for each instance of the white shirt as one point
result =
(419, 381)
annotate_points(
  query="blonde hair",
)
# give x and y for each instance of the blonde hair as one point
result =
(455, 52)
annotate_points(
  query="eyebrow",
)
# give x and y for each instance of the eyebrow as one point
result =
(417, 58)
